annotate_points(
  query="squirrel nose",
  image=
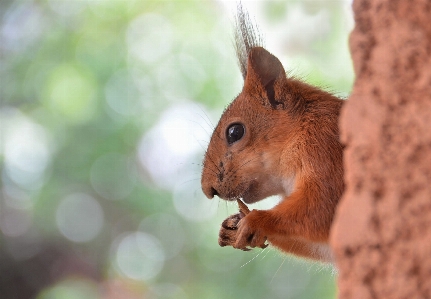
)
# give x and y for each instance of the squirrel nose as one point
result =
(210, 192)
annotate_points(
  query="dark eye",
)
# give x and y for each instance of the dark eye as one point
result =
(234, 133)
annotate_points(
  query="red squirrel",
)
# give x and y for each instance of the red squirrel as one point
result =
(279, 136)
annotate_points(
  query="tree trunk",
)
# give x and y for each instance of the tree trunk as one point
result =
(381, 235)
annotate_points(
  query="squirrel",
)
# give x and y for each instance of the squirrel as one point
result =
(279, 136)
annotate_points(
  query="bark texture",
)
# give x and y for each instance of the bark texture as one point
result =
(381, 235)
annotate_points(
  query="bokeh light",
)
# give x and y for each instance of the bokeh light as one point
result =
(79, 217)
(139, 256)
(72, 289)
(149, 37)
(71, 93)
(25, 147)
(166, 151)
(168, 230)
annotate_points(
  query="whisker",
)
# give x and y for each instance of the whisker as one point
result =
(188, 181)
(212, 161)
(268, 251)
(200, 141)
(197, 164)
(209, 168)
(200, 125)
(259, 253)
(207, 120)
(276, 272)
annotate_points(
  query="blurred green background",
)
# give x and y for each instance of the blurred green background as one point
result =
(106, 110)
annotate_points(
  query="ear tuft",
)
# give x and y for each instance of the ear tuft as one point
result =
(264, 73)
(247, 36)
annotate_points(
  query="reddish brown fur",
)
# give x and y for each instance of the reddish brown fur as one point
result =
(291, 136)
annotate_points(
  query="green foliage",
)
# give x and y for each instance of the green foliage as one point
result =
(99, 101)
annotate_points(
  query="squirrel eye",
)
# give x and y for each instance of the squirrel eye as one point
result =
(234, 133)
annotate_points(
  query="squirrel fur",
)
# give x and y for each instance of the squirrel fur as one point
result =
(279, 136)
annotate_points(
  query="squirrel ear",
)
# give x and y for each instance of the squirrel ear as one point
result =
(264, 73)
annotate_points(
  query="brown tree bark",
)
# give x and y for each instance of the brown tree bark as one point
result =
(381, 235)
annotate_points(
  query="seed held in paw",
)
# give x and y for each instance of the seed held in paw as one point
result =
(243, 209)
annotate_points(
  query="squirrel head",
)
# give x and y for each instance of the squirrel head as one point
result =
(243, 159)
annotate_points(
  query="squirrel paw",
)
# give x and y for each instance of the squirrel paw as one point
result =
(237, 232)
(249, 234)
(228, 231)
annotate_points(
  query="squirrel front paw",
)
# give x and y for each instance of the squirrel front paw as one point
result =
(249, 233)
(239, 232)
(229, 229)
